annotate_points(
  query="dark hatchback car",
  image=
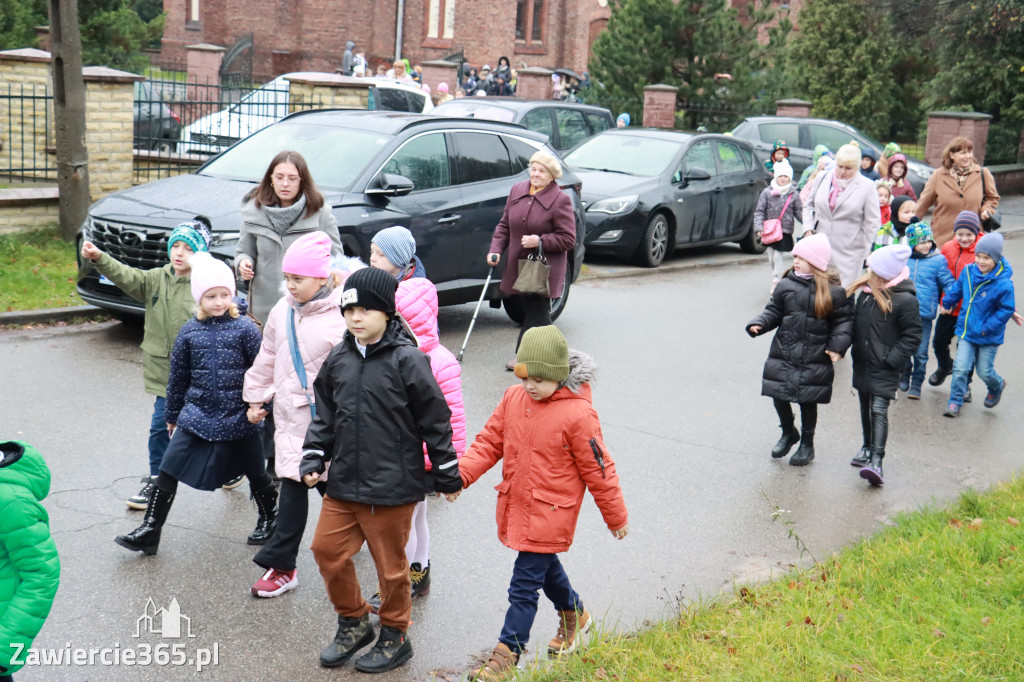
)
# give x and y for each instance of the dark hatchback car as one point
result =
(565, 123)
(447, 180)
(155, 126)
(802, 135)
(649, 192)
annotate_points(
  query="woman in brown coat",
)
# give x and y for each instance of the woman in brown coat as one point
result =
(537, 213)
(955, 187)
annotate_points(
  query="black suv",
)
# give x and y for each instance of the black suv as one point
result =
(565, 123)
(447, 180)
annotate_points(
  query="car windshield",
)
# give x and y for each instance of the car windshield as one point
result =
(488, 113)
(336, 156)
(644, 156)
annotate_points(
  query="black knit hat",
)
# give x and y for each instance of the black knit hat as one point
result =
(370, 288)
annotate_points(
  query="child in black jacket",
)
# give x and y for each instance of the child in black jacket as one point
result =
(886, 334)
(377, 404)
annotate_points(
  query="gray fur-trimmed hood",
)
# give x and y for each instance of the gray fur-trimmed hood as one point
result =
(582, 370)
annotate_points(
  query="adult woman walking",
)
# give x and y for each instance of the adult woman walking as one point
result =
(283, 207)
(960, 185)
(843, 205)
(537, 214)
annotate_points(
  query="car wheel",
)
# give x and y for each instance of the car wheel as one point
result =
(654, 243)
(516, 312)
(751, 243)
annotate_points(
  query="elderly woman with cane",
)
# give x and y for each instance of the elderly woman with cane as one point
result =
(843, 205)
(538, 221)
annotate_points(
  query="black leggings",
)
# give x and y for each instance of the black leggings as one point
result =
(945, 330)
(808, 414)
(255, 471)
(536, 313)
(874, 421)
(282, 549)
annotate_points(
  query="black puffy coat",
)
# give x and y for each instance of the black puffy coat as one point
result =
(884, 343)
(798, 370)
(208, 365)
(373, 417)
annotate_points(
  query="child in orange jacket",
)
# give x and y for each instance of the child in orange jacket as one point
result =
(548, 435)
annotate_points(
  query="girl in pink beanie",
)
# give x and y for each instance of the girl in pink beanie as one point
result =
(814, 319)
(886, 334)
(301, 330)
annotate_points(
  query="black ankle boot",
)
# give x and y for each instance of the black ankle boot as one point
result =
(266, 503)
(146, 538)
(353, 634)
(790, 437)
(872, 471)
(805, 453)
(392, 649)
(862, 457)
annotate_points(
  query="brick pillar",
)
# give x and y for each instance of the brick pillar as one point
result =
(26, 125)
(660, 106)
(327, 91)
(438, 71)
(943, 126)
(793, 107)
(203, 63)
(43, 37)
(534, 83)
(109, 112)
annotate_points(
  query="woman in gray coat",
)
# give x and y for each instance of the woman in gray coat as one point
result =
(843, 205)
(283, 207)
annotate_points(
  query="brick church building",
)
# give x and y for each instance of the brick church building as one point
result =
(310, 35)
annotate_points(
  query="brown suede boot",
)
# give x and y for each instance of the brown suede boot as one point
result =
(572, 627)
(501, 665)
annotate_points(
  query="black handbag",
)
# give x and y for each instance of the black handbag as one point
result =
(995, 219)
(534, 274)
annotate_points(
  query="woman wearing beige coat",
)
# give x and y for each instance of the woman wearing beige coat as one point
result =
(843, 205)
(955, 187)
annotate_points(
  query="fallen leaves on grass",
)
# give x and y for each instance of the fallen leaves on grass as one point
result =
(1012, 521)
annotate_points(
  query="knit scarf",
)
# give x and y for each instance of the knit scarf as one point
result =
(283, 218)
(960, 174)
(781, 191)
(837, 188)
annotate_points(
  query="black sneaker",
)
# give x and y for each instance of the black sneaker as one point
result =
(938, 376)
(353, 634)
(392, 649)
(141, 500)
(233, 483)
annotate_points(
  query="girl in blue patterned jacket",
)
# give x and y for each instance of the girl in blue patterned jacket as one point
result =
(932, 279)
(212, 439)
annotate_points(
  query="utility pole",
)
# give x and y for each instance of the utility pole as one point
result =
(69, 116)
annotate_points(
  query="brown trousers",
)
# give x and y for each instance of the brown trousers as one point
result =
(340, 533)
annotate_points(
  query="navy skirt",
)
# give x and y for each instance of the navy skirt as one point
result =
(207, 465)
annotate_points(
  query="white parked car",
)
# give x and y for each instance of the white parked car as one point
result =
(214, 133)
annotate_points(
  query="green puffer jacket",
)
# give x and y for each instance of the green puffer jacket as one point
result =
(29, 567)
(169, 305)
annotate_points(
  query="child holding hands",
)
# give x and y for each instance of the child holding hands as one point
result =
(548, 436)
(814, 321)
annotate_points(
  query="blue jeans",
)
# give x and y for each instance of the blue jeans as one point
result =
(974, 356)
(158, 437)
(532, 573)
(920, 362)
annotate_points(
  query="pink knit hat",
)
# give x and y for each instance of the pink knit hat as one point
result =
(815, 250)
(209, 273)
(309, 256)
(442, 88)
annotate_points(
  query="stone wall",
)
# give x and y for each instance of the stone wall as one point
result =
(109, 106)
(327, 91)
(26, 209)
(26, 113)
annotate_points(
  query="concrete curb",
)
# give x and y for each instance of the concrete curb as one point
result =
(589, 273)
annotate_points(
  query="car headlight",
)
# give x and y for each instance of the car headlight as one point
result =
(222, 238)
(614, 205)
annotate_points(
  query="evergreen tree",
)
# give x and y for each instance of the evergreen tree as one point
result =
(114, 35)
(842, 63)
(18, 20)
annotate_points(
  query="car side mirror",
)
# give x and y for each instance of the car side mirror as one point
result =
(695, 175)
(391, 184)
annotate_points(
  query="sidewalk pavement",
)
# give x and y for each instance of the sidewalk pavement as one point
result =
(1012, 209)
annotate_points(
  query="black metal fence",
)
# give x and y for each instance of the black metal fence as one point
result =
(26, 133)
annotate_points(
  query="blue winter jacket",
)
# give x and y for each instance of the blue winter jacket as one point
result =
(932, 279)
(208, 365)
(988, 303)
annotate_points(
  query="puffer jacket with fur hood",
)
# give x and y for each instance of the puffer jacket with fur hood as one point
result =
(416, 300)
(548, 458)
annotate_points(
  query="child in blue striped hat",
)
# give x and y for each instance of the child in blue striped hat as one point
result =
(167, 294)
(393, 249)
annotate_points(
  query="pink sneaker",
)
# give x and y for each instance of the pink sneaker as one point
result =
(275, 582)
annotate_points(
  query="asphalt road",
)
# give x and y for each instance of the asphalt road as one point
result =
(679, 394)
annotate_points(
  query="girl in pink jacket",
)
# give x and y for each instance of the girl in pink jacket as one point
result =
(301, 330)
(416, 301)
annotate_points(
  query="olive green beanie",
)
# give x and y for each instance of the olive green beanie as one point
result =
(543, 353)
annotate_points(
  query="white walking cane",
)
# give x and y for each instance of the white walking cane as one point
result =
(487, 283)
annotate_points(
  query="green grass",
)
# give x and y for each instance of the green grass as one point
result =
(939, 596)
(37, 270)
